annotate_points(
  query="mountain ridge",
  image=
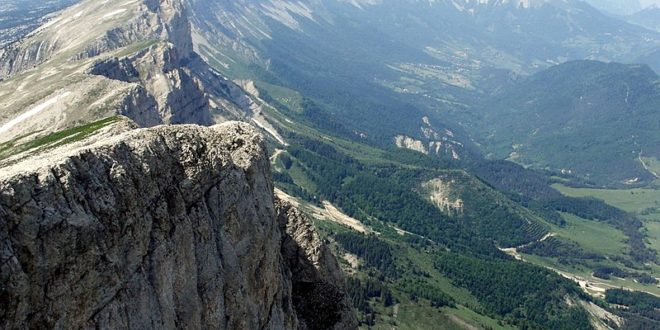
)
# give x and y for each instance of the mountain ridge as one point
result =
(138, 61)
(577, 100)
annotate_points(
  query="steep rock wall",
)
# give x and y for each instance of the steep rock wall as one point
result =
(169, 227)
(318, 290)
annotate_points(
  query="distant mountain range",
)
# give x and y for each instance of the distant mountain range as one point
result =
(349, 56)
(648, 18)
(619, 7)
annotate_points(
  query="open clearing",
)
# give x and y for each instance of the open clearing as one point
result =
(592, 235)
(604, 239)
(631, 200)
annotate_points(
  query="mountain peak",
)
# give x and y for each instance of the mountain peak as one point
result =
(525, 4)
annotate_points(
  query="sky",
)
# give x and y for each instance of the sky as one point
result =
(646, 3)
(623, 6)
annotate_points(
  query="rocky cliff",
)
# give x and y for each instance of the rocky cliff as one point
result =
(168, 227)
(102, 58)
(92, 28)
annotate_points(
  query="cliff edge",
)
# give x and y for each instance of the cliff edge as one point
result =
(166, 227)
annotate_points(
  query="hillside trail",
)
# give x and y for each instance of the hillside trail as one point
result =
(513, 251)
(647, 168)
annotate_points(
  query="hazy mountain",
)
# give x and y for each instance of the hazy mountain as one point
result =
(589, 118)
(350, 56)
(648, 18)
(619, 7)
(517, 35)
(623, 7)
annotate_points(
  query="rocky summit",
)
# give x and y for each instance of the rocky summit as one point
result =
(162, 228)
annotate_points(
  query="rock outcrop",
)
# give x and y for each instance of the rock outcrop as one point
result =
(168, 227)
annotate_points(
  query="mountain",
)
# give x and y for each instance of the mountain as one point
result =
(167, 227)
(648, 18)
(369, 109)
(22, 17)
(623, 7)
(410, 73)
(366, 65)
(459, 32)
(592, 119)
(133, 58)
(618, 7)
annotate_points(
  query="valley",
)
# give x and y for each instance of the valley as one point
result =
(471, 164)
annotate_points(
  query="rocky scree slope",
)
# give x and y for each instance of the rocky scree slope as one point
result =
(168, 227)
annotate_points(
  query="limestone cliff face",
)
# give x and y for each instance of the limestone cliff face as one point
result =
(102, 58)
(94, 27)
(318, 290)
(174, 94)
(169, 227)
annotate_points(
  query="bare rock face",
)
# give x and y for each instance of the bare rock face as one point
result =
(158, 20)
(168, 227)
(161, 69)
(97, 59)
(318, 290)
(117, 69)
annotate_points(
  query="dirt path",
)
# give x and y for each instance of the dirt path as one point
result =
(513, 251)
(402, 232)
(647, 168)
(276, 154)
(591, 287)
(462, 323)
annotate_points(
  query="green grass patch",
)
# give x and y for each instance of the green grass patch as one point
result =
(285, 96)
(630, 200)
(652, 225)
(603, 238)
(136, 47)
(592, 235)
(56, 139)
(632, 285)
(297, 173)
